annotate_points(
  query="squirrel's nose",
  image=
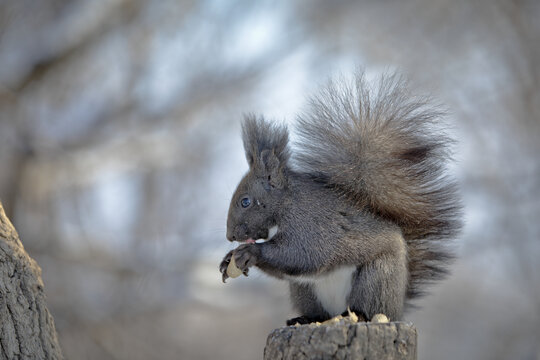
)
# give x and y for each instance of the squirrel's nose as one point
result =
(230, 235)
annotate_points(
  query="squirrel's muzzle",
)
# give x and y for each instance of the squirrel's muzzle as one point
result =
(238, 233)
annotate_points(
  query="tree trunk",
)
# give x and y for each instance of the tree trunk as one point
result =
(363, 341)
(26, 326)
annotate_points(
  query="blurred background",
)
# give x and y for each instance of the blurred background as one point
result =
(120, 148)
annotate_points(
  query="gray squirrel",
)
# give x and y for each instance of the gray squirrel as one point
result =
(359, 213)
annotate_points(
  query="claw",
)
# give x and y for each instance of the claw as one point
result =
(223, 266)
(245, 272)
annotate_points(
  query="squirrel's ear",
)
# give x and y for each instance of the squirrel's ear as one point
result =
(272, 169)
(260, 135)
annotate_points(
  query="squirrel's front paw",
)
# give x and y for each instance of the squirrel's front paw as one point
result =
(246, 256)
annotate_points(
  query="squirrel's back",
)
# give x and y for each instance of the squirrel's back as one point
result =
(384, 148)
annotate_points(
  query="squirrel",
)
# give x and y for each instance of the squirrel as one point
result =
(359, 214)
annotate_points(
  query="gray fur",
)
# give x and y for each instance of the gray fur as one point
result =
(367, 189)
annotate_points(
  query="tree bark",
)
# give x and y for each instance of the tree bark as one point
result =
(26, 327)
(364, 341)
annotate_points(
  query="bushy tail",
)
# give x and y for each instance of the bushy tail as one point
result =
(383, 148)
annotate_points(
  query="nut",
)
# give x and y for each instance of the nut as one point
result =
(232, 270)
(379, 318)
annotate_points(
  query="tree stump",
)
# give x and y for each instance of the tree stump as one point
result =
(364, 341)
(26, 327)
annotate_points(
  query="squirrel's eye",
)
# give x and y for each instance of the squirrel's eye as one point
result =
(245, 202)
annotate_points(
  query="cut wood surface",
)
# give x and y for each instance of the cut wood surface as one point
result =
(26, 327)
(364, 341)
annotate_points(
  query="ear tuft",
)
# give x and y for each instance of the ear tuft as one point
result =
(260, 135)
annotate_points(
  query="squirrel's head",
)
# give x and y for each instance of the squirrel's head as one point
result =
(257, 199)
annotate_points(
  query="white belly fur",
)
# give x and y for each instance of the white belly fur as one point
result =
(332, 289)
